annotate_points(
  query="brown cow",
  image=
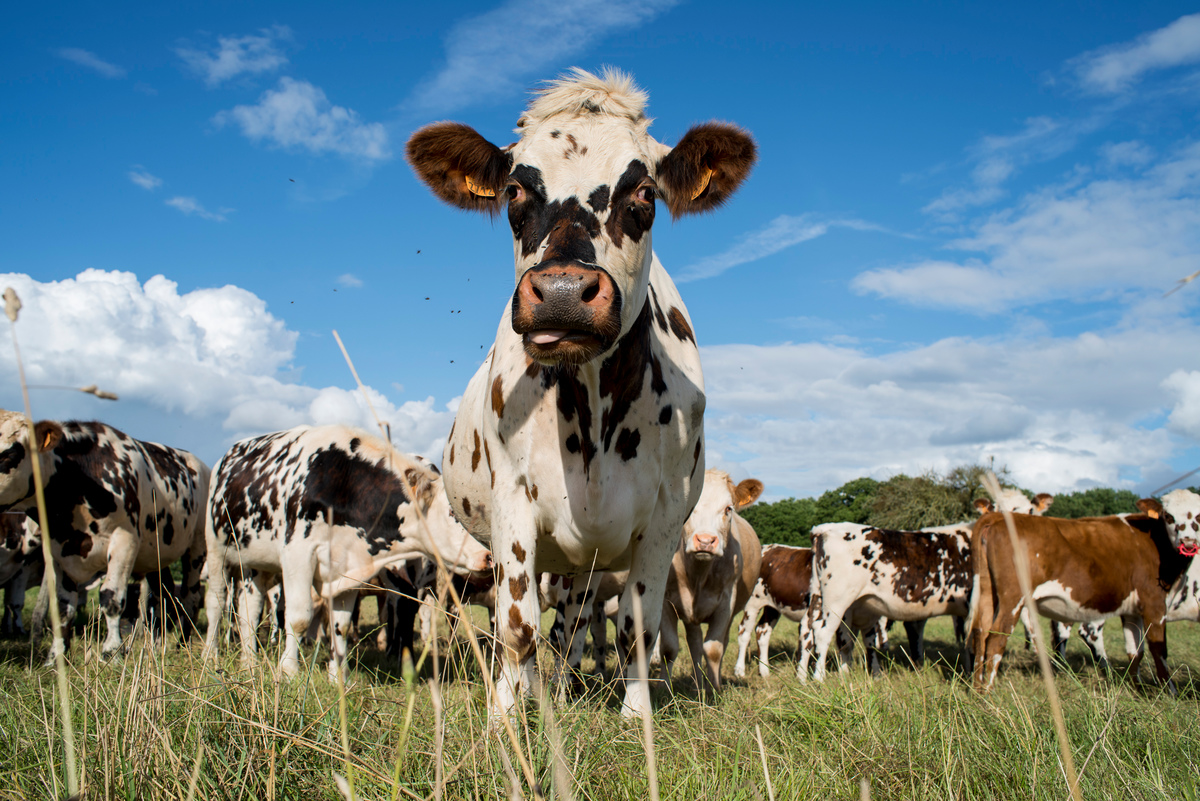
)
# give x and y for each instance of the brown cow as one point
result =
(712, 575)
(1081, 571)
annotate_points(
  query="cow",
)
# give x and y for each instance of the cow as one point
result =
(712, 575)
(21, 566)
(1081, 571)
(863, 573)
(325, 507)
(116, 506)
(578, 445)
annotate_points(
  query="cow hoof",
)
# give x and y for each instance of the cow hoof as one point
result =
(112, 654)
(289, 668)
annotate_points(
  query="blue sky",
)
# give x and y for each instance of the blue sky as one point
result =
(954, 247)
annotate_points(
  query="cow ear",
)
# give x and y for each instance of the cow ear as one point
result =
(983, 506)
(705, 168)
(747, 492)
(460, 166)
(48, 434)
(1151, 507)
(1042, 502)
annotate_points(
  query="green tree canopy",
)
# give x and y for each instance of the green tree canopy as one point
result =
(1095, 502)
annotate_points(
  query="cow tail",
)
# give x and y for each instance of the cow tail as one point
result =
(981, 588)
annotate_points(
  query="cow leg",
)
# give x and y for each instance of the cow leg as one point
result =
(192, 592)
(915, 629)
(807, 640)
(1134, 633)
(756, 603)
(251, 596)
(70, 598)
(1059, 634)
(715, 639)
(341, 613)
(14, 603)
(667, 644)
(599, 637)
(122, 550)
(215, 598)
(996, 640)
(826, 622)
(278, 609)
(960, 630)
(298, 567)
(575, 611)
(518, 611)
(874, 640)
(1092, 635)
(762, 638)
(403, 608)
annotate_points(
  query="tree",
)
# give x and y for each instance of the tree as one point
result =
(1095, 502)
(908, 503)
(788, 522)
(849, 503)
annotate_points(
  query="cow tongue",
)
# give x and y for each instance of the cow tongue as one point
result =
(546, 336)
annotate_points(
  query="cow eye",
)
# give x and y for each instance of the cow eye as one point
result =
(644, 194)
(728, 511)
(516, 193)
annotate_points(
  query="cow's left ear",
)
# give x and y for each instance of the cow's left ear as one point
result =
(1042, 502)
(48, 434)
(705, 168)
(747, 492)
(460, 166)
(983, 506)
(1150, 507)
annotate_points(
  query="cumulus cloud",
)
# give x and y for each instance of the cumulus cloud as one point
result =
(1080, 239)
(350, 280)
(205, 354)
(781, 233)
(1115, 69)
(237, 55)
(86, 58)
(490, 55)
(144, 179)
(298, 116)
(1063, 413)
(190, 206)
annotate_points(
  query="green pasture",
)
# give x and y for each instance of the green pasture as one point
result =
(160, 724)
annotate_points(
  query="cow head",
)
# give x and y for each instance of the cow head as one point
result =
(444, 535)
(581, 185)
(1015, 501)
(1180, 511)
(16, 467)
(707, 530)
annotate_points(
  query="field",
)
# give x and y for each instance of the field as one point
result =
(159, 724)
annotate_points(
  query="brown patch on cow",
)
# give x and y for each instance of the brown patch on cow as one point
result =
(487, 454)
(528, 497)
(521, 633)
(918, 559)
(498, 397)
(679, 325)
(696, 456)
(518, 552)
(452, 452)
(499, 572)
(786, 573)
(532, 368)
(622, 375)
(466, 507)
(518, 586)
(493, 479)
(534, 491)
(477, 454)
(572, 402)
(659, 317)
(641, 588)
(627, 443)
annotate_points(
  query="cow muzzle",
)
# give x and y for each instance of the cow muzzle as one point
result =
(566, 312)
(704, 546)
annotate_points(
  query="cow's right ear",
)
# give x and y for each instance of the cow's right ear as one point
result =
(460, 166)
(983, 506)
(48, 434)
(1150, 507)
(705, 168)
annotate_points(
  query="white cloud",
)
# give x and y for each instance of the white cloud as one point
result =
(190, 206)
(141, 177)
(1062, 413)
(781, 233)
(1115, 69)
(1081, 239)
(237, 55)
(86, 58)
(1127, 154)
(298, 116)
(350, 280)
(489, 56)
(205, 354)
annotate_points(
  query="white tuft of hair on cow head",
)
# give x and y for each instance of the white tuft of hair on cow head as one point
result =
(580, 186)
(708, 528)
(1180, 512)
(16, 468)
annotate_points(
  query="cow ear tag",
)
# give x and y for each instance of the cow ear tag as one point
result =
(1152, 513)
(476, 189)
(703, 184)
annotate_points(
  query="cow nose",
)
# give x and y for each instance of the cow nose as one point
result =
(705, 543)
(565, 291)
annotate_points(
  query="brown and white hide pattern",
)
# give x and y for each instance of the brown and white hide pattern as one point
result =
(578, 445)
(116, 506)
(324, 508)
(713, 573)
(21, 567)
(1180, 512)
(1081, 571)
(863, 573)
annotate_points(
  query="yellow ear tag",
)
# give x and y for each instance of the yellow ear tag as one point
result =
(703, 184)
(1152, 513)
(476, 189)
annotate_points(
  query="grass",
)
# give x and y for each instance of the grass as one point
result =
(148, 725)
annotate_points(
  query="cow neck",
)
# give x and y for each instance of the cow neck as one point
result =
(581, 390)
(1171, 564)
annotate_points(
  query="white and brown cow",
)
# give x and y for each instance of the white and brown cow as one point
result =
(1081, 571)
(579, 442)
(324, 507)
(116, 506)
(712, 575)
(21, 567)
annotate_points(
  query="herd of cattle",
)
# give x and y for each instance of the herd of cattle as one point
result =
(576, 455)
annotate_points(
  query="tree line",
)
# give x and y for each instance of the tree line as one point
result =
(912, 502)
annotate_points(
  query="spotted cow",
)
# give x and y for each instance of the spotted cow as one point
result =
(1180, 513)
(712, 575)
(324, 507)
(1081, 571)
(21, 566)
(579, 444)
(116, 506)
